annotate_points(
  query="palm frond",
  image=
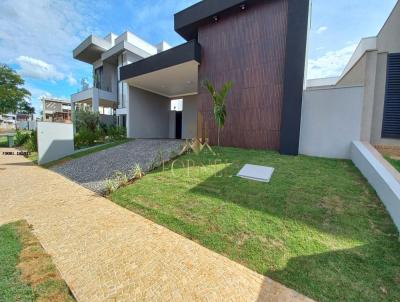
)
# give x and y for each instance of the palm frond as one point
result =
(207, 84)
(225, 90)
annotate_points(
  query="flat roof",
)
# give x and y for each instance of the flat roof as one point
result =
(56, 100)
(190, 51)
(188, 20)
(91, 49)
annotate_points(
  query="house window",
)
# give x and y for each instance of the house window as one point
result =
(98, 77)
(391, 114)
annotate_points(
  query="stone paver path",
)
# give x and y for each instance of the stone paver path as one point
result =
(93, 170)
(106, 253)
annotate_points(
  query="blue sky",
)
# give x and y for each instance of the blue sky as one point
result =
(37, 40)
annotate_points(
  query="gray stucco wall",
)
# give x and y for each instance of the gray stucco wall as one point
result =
(369, 95)
(189, 117)
(330, 121)
(172, 122)
(356, 76)
(149, 114)
(388, 37)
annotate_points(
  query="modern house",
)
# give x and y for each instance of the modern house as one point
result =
(258, 45)
(367, 95)
(56, 110)
(109, 94)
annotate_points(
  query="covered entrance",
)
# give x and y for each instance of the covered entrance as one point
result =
(153, 83)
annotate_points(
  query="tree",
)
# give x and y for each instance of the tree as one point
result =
(26, 108)
(12, 95)
(85, 118)
(219, 102)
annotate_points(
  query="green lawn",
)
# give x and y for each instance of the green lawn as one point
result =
(26, 271)
(394, 162)
(317, 227)
(3, 142)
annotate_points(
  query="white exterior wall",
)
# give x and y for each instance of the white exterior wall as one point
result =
(148, 114)
(367, 67)
(331, 119)
(55, 141)
(136, 41)
(384, 179)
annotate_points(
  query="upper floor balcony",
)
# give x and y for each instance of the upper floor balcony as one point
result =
(94, 94)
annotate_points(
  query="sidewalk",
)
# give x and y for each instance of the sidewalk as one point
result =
(106, 253)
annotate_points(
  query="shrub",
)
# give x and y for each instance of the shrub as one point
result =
(111, 185)
(116, 133)
(84, 137)
(100, 134)
(137, 171)
(120, 179)
(31, 144)
(87, 119)
(21, 138)
(104, 127)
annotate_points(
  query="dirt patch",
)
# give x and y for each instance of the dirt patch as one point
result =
(333, 204)
(392, 151)
(38, 270)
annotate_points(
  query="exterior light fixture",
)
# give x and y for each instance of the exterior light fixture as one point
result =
(243, 6)
(215, 19)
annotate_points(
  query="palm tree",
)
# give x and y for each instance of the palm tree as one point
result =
(219, 102)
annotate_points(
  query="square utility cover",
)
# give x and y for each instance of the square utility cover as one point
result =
(257, 173)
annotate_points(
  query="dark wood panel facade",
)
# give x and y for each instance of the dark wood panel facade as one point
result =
(248, 48)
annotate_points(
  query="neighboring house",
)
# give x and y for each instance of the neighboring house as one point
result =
(18, 120)
(369, 88)
(258, 45)
(56, 110)
(7, 121)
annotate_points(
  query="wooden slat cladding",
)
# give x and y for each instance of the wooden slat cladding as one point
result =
(248, 48)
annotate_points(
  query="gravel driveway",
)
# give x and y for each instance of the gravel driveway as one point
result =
(93, 170)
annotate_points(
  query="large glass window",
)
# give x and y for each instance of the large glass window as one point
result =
(98, 77)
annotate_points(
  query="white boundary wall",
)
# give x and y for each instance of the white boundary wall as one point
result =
(330, 120)
(55, 141)
(385, 180)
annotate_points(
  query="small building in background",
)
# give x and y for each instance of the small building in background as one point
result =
(56, 110)
(7, 122)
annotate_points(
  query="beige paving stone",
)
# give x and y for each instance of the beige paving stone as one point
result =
(107, 253)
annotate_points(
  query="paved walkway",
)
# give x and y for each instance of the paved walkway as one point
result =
(93, 170)
(107, 253)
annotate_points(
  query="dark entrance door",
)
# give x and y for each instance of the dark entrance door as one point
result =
(178, 124)
(123, 121)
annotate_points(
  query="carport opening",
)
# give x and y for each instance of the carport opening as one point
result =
(176, 108)
(176, 105)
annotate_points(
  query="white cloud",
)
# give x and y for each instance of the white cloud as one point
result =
(331, 64)
(322, 29)
(38, 69)
(47, 31)
(71, 80)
